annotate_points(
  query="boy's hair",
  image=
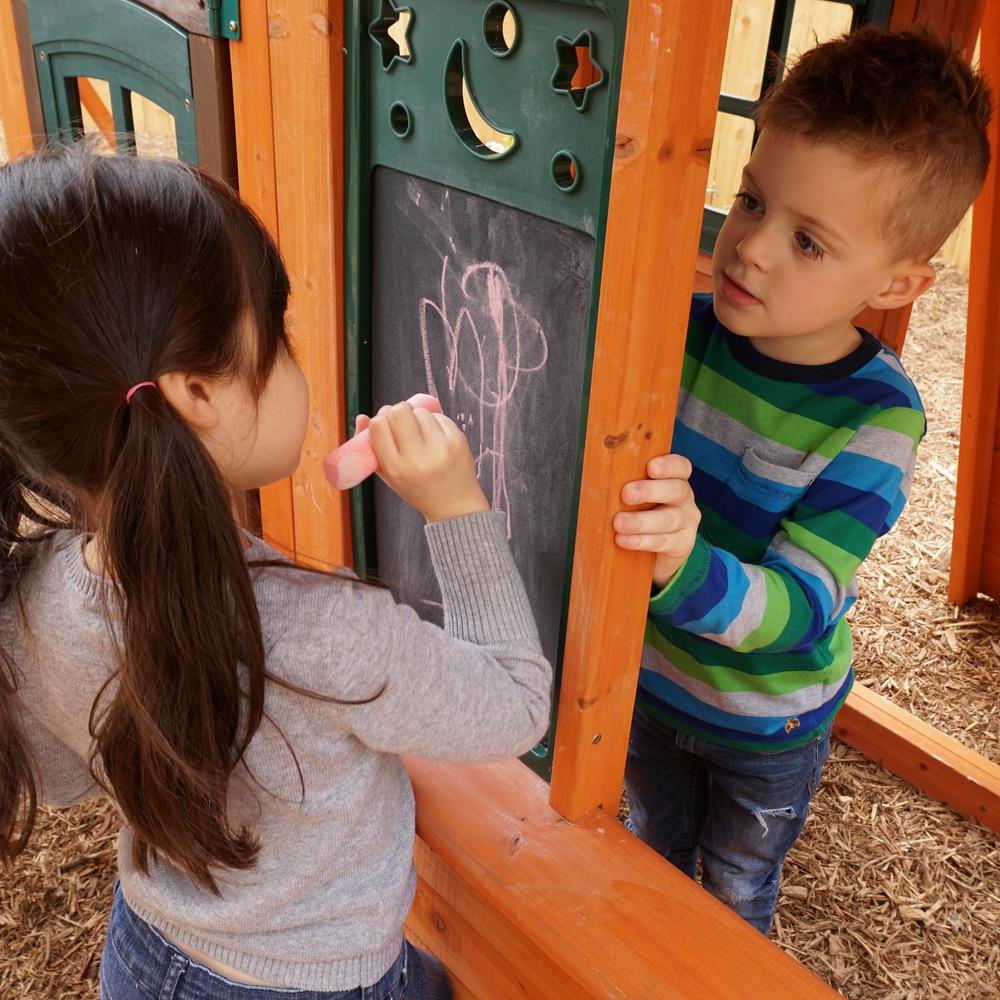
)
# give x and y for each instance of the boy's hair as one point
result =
(905, 101)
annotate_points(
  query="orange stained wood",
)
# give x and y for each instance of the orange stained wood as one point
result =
(938, 765)
(14, 109)
(978, 427)
(670, 84)
(250, 59)
(306, 58)
(519, 903)
(957, 20)
(97, 109)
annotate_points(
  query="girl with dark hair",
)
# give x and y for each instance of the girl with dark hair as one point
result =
(246, 716)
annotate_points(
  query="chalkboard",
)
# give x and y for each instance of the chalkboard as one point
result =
(485, 307)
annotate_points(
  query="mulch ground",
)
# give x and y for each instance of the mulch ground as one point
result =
(887, 896)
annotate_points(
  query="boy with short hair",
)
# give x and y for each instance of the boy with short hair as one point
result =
(793, 449)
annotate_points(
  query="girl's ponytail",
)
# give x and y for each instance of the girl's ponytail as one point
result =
(189, 690)
(115, 270)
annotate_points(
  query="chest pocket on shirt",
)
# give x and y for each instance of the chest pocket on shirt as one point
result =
(758, 494)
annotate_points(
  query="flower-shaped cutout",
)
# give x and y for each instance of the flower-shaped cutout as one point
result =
(577, 69)
(390, 31)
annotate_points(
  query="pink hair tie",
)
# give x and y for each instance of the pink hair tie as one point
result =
(136, 388)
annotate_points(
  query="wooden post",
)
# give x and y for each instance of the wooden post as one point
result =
(928, 759)
(307, 98)
(978, 459)
(250, 60)
(20, 110)
(521, 905)
(289, 108)
(670, 86)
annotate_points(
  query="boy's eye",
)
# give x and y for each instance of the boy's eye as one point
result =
(749, 202)
(807, 246)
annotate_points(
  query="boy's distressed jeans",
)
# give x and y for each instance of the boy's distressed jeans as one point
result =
(742, 810)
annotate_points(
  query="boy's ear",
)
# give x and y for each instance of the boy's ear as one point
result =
(192, 397)
(909, 281)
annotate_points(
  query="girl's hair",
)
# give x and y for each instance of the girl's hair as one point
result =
(115, 270)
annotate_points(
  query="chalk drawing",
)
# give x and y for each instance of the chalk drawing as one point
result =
(491, 342)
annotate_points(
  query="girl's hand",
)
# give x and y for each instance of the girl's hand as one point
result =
(670, 527)
(425, 458)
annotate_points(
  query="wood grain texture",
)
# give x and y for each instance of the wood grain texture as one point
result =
(94, 105)
(306, 44)
(979, 416)
(520, 903)
(250, 63)
(938, 765)
(211, 84)
(670, 85)
(958, 20)
(20, 110)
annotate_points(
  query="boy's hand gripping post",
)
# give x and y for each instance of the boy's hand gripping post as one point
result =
(354, 461)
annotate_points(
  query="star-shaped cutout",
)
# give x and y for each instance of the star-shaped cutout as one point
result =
(577, 69)
(390, 31)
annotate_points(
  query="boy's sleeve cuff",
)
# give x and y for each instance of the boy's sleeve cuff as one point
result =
(691, 575)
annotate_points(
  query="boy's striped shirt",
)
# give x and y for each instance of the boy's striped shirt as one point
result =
(797, 470)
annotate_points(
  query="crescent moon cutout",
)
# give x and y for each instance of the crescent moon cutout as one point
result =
(480, 134)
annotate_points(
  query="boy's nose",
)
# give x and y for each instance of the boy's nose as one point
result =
(752, 249)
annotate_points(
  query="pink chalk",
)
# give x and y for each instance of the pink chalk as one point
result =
(354, 461)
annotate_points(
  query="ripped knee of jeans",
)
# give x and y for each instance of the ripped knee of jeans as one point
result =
(763, 815)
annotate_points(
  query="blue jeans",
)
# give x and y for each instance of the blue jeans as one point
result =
(742, 810)
(139, 964)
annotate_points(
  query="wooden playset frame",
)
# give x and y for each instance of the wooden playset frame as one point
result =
(527, 889)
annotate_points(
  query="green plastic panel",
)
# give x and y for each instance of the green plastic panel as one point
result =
(550, 154)
(133, 48)
(523, 93)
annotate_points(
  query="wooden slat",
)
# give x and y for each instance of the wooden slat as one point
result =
(18, 91)
(251, 74)
(307, 105)
(520, 903)
(211, 83)
(989, 574)
(994, 483)
(957, 20)
(670, 83)
(991, 539)
(94, 105)
(922, 755)
(978, 426)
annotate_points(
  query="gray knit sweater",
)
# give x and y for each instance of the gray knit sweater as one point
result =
(323, 908)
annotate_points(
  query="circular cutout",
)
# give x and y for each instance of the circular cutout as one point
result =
(400, 119)
(501, 29)
(565, 171)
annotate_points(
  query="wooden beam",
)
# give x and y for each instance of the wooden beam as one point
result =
(519, 903)
(938, 765)
(211, 85)
(956, 20)
(670, 84)
(307, 106)
(20, 110)
(94, 105)
(978, 426)
(250, 60)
